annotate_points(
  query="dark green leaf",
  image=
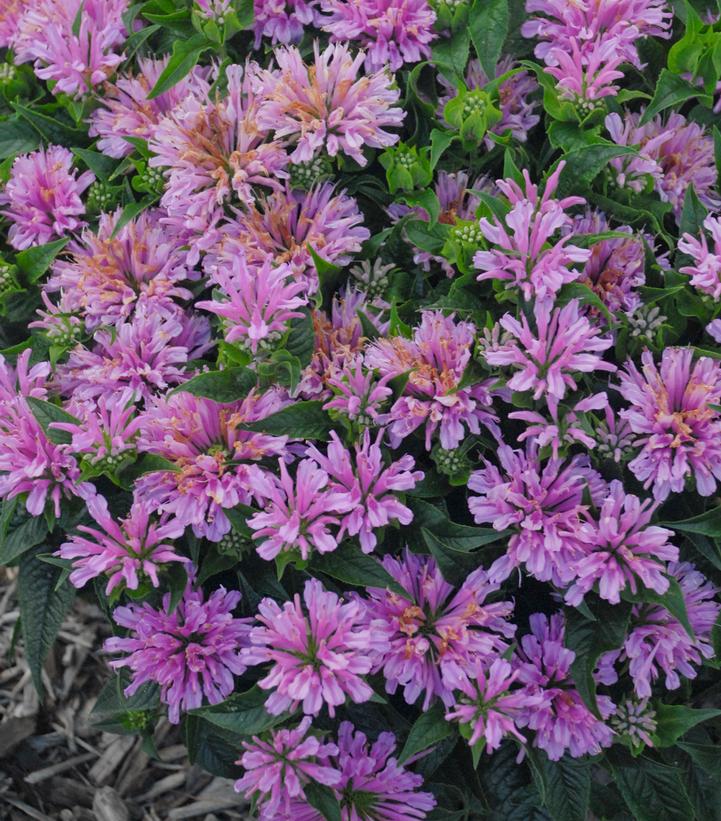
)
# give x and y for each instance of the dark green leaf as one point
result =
(184, 58)
(211, 748)
(707, 524)
(51, 128)
(16, 138)
(243, 714)
(693, 214)
(323, 799)
(113, 710)
(100, 164)
(430, 728)
(565, 785)
(440, 140)
(488, 26)
(461, 538)
(450, 55)
(20, 538)
(348, 564)
(585, 164)
(130, 212)
(229, 385)
(35, 261)
(673, 600)
(670, 91)
(674, 720)
(301, 420)
(301, 339)
(46, 413)
(706, 756)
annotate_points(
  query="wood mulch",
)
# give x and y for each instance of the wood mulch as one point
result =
(54, 765)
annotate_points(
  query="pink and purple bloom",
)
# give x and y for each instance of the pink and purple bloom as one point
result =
(256, 303)
(193, 652)
(42, 197)
(586, 73)
(705, 272)
(543, 504)
(435, 360)
(212, 457)
(562, 722)
(369, 486)
(328, 105)
(623, 549)
(277, 770)
(677, 428)
(357, 394)
(125, 552)
(283, 21)
(10, 16)
(436, 634)
(392, 32)
(318, 653)
(527, 257)
(563, 344)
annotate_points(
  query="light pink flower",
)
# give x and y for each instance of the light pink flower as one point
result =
(705, 272)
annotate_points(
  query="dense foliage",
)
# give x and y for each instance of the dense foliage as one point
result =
(362, 359)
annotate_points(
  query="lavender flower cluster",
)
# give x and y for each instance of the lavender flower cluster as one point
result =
(362, 358)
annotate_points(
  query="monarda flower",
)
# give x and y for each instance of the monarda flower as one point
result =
(284, 226)
(586, 74)
(435, 634)
(299, 513)
(369, 486)
(635, 721)
(42, 197)
(527, 257)
(705, 272)
(562, 722)
(435, 360)
(276, 771)
(488, 709)
(283, 21)
(564, 343)
(213, 153)
(318, 654)
(357, 393)
(392, 32)
(148, 354)
(542, 504)
(658, 645)
(125, 110)
(671, 412)
(106, 278)
(212, 457)
(622, 549)
(127, 552)
(10, 15)
(73, 42)
(255, 303)
(193, 652)
(328, 105)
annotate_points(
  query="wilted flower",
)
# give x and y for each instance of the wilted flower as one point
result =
(328, 105)
(42, 197)
(192, 652)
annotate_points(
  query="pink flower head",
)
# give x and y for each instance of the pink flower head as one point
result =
(125, 552)
(587, 72)
(106, 278)
(676, 426)
(329, 105)
(126, 111)
(515, 100)
(42, 197)
(657, 644)
(277, 770)
(564, 342)
(192, 652)
(623, 549)
(542, 504)
(435, 634)
(284, 226)
(436, 359)
(10, 15)
(22, 380)
(392, 32)
(357, 394)
(705, 272)
(298, 513)
(213, 153)
(562, 722)
(210, 454)
(284, 21)
(369, 487)
(614, 437)
(318, 656)
(489, 708)
(257, 303)
(146, 354)
(73, 42)
(527, 257)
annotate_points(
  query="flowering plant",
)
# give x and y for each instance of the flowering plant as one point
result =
(361, 358)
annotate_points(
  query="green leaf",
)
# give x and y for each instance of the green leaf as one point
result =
(693, 213)
(564, 785)
(425, 199)
(211, 748)
(589, 639)
(184, 58)
(301, 339)
(301, 420)
(224, 386)
(584, 164)
(450, 55)
(243, 714)
(675, 720)
(440, 140)
(707, 524)
(42, 610)
(16, 138)
(51, 128)
(19, 539)
(130, 212)
(348, 564)
(671, 90)
(100, 164)
(46, 413)
(429, 728)
(461, 538)
(673, 600)
(706, 756)
(652, 791)
(113, 711)
(35, 261)
(488, 26)
(586, 296)
(323, 799)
